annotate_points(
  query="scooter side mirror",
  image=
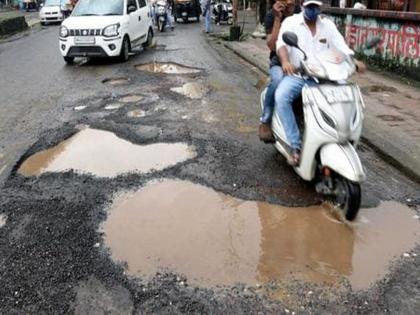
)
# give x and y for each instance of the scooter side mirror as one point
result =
(373, 42)
(290, 39)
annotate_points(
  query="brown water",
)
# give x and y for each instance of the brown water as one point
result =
(168, 68)
(192, 90)
(214, 239)
(103, 154)
(131, 99)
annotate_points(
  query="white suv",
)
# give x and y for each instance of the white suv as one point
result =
(109, 28)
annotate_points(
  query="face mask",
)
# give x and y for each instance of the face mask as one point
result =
(311, 13)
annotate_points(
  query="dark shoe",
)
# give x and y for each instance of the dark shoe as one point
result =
(265, 133)
(294, 158)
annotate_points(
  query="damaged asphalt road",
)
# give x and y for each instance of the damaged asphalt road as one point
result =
(53, 257)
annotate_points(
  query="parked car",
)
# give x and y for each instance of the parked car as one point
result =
(110, 28)
(184, 9)
(51, 11)
(31, 5)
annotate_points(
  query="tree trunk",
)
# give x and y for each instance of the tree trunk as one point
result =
(235, 12)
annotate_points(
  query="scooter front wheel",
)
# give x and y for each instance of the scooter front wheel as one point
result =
(347, 196)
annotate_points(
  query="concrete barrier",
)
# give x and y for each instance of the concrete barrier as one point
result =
(11, 25)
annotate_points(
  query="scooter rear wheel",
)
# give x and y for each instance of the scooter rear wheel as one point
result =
(161, 26)
(347, 197)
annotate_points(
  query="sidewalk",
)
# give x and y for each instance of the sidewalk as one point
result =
(392, 114)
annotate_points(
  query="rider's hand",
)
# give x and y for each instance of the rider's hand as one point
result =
(288, 68)
(278, 9)
(360, 66)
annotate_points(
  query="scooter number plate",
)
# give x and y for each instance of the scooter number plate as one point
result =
(84, 40)
(338, 94)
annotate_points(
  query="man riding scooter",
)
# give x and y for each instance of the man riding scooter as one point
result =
(315, 34)
(281, 9)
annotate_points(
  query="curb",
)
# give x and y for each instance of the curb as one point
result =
(406, 162)
(34, 24)
(252, 59)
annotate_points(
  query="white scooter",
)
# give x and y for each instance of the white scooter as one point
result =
(161, 14)
(331, 128)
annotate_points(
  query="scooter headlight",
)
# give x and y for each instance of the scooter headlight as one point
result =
(111, 30)
(64, 32)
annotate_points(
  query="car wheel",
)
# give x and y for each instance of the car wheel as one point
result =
(69, 60)
(149, 40)
(125, 49)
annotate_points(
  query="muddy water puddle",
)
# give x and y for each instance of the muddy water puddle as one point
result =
(192, 90)
(113, 106)
(2, 220)
(167, 68)
(131, 99)
(215, 239)
(103, 154)
(137, 113)
(116, 81)
(79, 108)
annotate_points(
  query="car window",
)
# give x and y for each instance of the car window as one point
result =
(99, 7)
(132, 3)
(142, 3)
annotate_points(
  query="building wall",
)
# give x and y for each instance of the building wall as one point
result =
(399, 48)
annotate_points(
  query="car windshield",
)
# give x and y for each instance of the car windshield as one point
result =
(99, 7)
(51, 3)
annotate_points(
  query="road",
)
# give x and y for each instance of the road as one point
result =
(64, 248)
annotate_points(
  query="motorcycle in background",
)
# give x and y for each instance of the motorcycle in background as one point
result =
(161, 14)
(222, 12)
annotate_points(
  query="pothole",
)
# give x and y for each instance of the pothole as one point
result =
(116, 81)
(103, 154)
(390, 118)
(131, 98)
(215, 239)
(137, 113)
(378, 88)
(2, 220)
(113, 106)
(79, 108)
(168, 68)
(382, 88)
(192, 90)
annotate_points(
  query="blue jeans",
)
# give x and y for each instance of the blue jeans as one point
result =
(287, 91)
(276, 75)
(207, 21)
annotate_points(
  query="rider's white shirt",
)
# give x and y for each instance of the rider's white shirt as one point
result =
(327, 36)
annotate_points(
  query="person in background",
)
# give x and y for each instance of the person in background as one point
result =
(206, 8)
(281, 9)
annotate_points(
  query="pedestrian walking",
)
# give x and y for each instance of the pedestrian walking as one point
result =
(206, 8)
